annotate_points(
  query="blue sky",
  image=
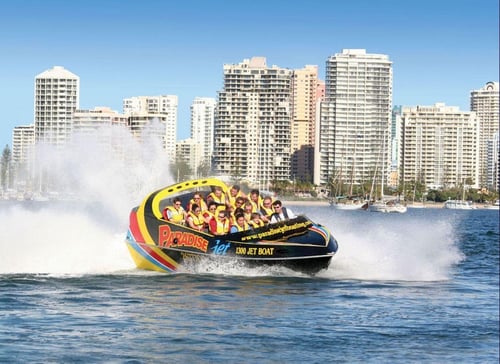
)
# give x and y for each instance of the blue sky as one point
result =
(441, 50)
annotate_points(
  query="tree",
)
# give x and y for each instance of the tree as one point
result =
(180, 170)
(204, 169)
(5, 168)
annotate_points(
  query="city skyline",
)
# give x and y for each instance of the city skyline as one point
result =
(439, 53)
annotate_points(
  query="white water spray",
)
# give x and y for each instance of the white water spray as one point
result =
(393, 248)
(85, 235)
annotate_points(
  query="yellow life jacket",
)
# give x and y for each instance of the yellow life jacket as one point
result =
(176, 216)
(245, 226)
(248, 216)
(222, 226)
(266, 211)
(256, 205)
(197, 220)
(232, 200)
(202, 204)
(256, 224)
(220, 201)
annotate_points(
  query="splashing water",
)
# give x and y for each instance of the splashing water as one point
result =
(85, 235)
(393, 248)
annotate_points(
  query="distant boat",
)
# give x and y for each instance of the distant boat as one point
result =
(494, 206)
(347, 204)
(388, 207)
(458, 205)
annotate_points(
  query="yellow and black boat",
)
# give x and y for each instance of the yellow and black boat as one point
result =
(161, 245)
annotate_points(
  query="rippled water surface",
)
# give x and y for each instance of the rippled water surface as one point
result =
(416, 287)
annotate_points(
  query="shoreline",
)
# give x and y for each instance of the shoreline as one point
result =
(437, 205)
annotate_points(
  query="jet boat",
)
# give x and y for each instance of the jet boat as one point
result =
(161, 245)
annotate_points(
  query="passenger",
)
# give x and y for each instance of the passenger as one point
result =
(230, 214)
(255, 221)
(219, 225)
(266, 210)
(240, 202)
(197, 199)
(209, 214)
(255, 200)
(195, 219)
(218, 197)
(234, 193)
(175, 213)
(247, 211)
(281, 213)
(240, 225)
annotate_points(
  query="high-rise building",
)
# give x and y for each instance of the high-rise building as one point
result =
(87, 121)
(252, 123)
(57, 96)
(154, 116)
(189, 152)
(306, 91)
(23, 142)
(440, 146)
(492, 163)
(485, 103)
(202, 127)
(355, 122)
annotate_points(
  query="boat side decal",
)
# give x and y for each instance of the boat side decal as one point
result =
(322, 231)
(149, 253)
(168, 238)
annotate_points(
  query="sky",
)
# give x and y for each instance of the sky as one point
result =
(441, 50)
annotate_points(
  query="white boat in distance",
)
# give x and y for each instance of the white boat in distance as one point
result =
(495, 206)
(387, 207)
(348, 204)
(458, 205)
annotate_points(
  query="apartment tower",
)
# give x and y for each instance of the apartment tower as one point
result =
(304, 95)
(440, 146)
(202, 127)
(252, 123)
(484, 102)
(355, 122)
(57, 96)
(154, 117)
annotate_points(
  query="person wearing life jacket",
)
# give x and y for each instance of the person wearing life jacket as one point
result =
(209, 214)
(195, 219)
(247, 211)
(255, 200)
(240, 202)
(281, 213)
(198, 200)
(218, 197)
(219, 225)
(240, 224)
(255, 221)
(234, 193)
(266, 209)
(175, 213)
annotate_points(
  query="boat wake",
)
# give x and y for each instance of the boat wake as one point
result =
(416, 249)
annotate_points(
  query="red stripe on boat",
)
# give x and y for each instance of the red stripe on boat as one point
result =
(134, 227)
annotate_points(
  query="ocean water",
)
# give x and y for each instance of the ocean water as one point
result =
(420, 287)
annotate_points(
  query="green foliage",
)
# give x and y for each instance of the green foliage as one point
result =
(181, 170)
